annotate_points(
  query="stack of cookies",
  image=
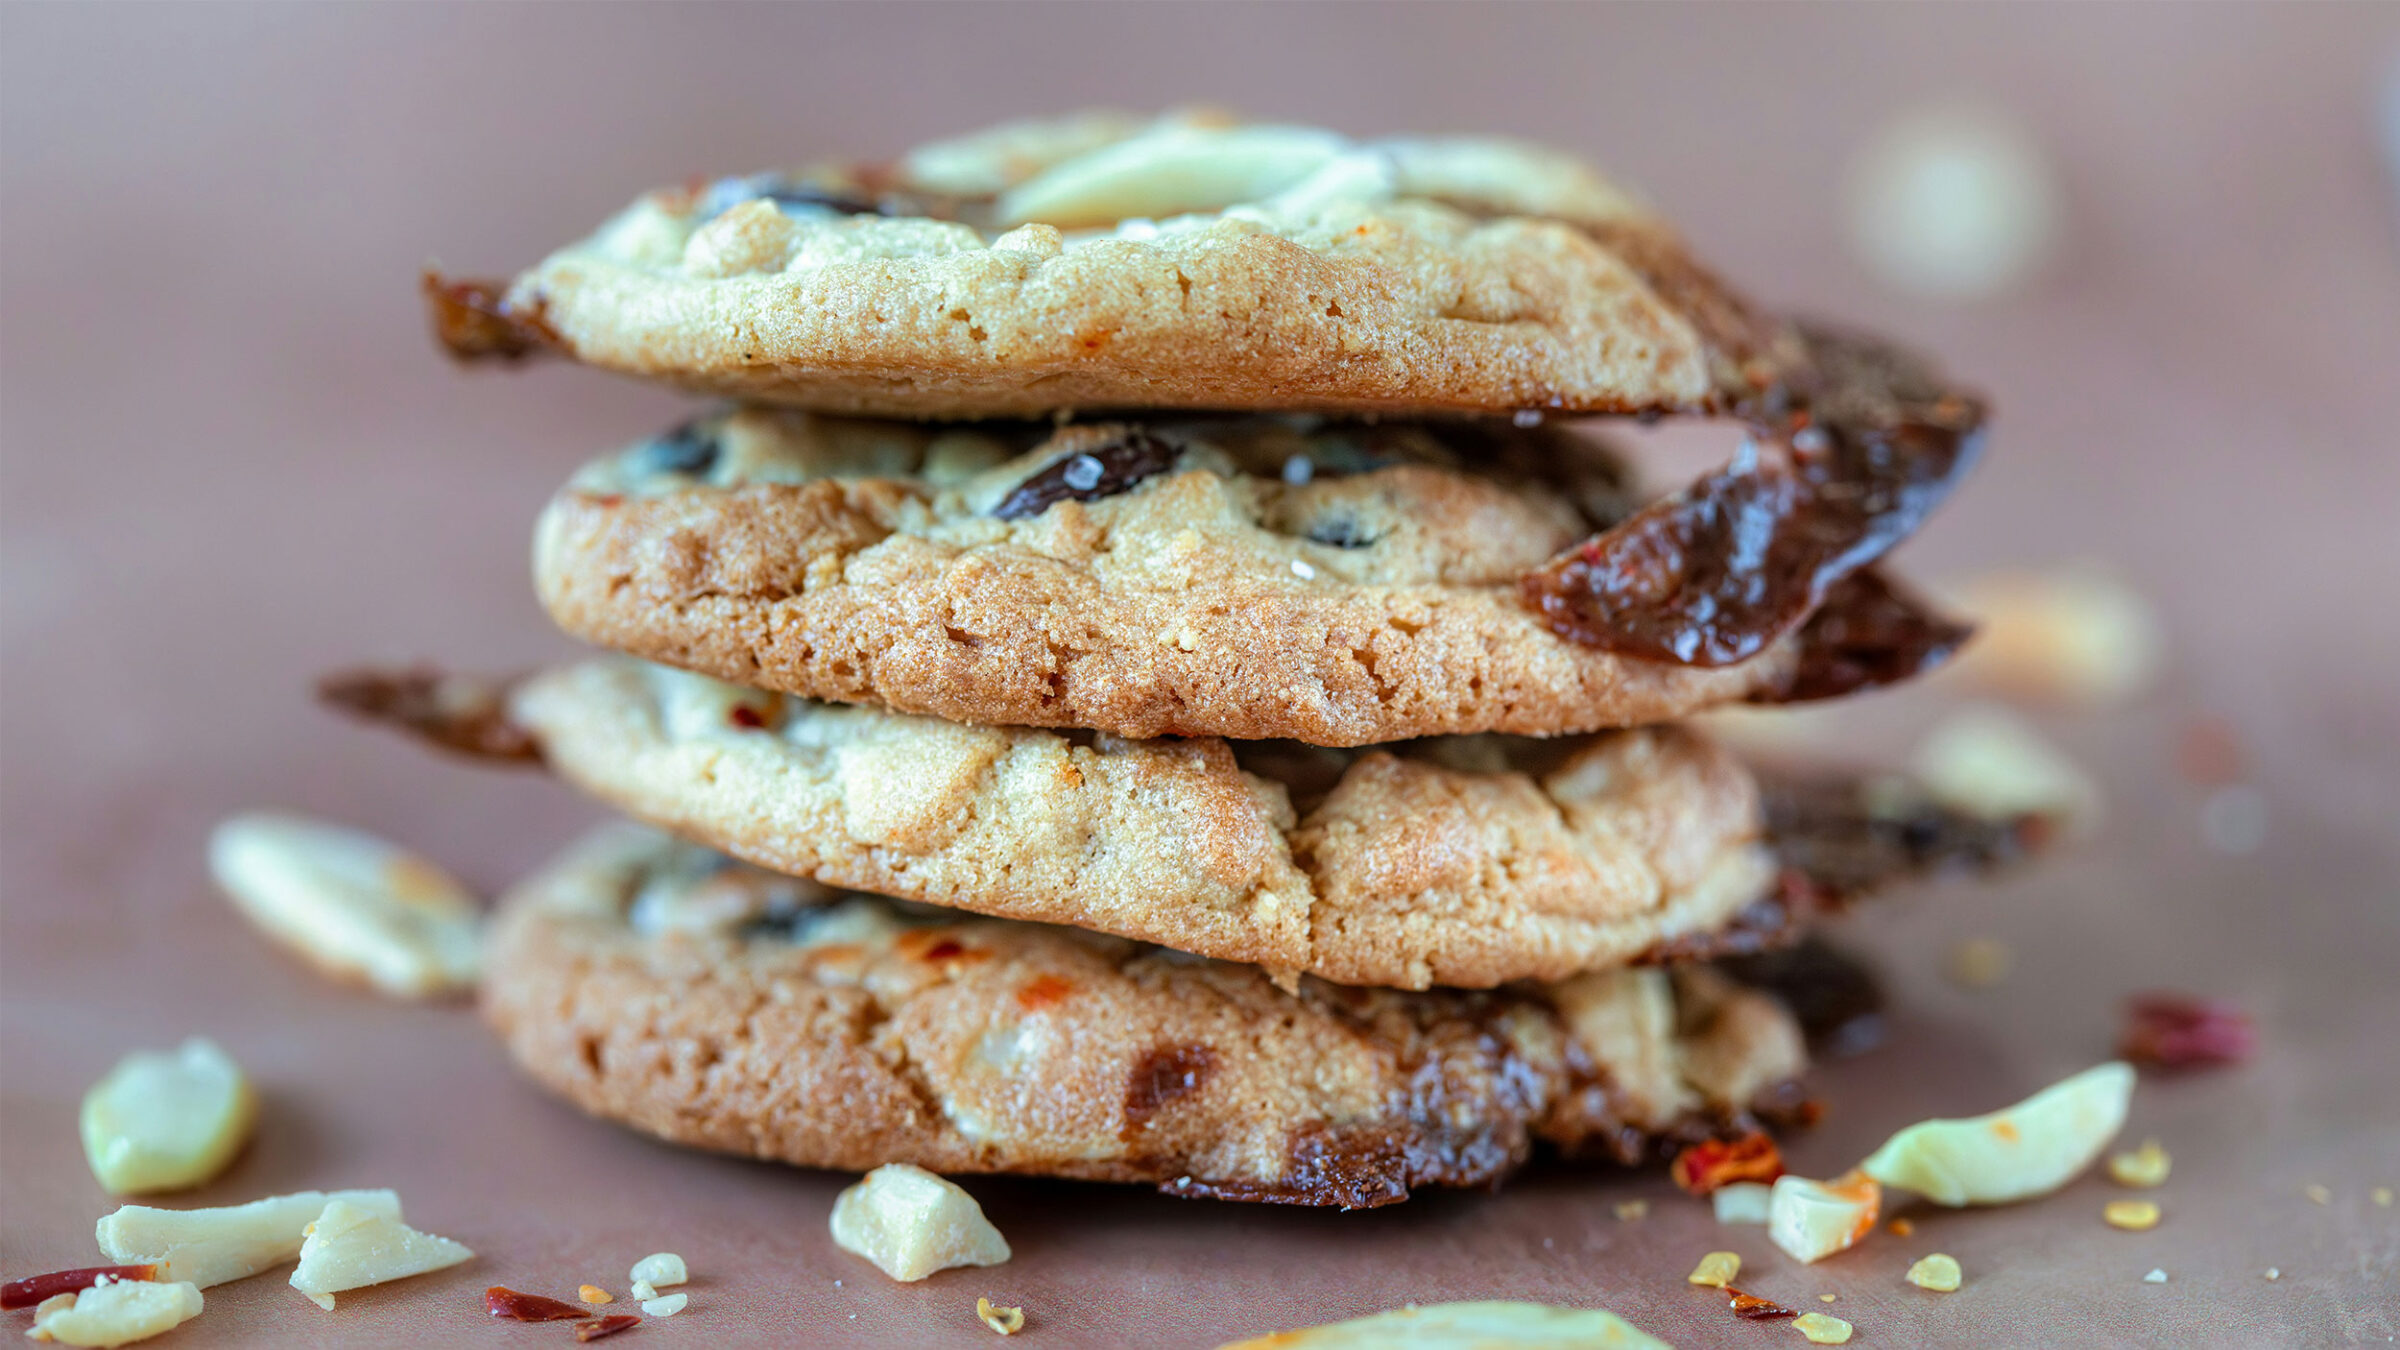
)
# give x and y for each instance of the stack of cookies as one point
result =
(1138, 684)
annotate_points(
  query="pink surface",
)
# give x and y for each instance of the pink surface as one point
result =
(229, 459)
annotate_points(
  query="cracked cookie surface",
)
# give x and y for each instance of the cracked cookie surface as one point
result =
(1103, 262)
(1250, 577)
(715, 1005)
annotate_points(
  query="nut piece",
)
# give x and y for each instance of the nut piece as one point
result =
(593, 1294)
(1716, 1270)
(659, 1270)
(2075, 638)
(161, 1121)
(210, 1246)
(351, 1246)
(2134, 1216)
(644, 1291)
(2158, 1276)
(354, 906)
(1743, 1202)
(666, 1306)
(116, 1313)
(1445, 1326)
(1938, 1272)
(1812, 1220)
(1990, 763)
(1006, 1321)
(2145, 1166)
(1821, 1329)
(911, 1223)
(2029, 1149)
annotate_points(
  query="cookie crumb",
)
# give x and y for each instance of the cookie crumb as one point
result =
(2317, 1195)
(2145, 1167)
(1938, 1272)
(1628, 1211)
(1823, 1330)
(2155, 1277)
(1715, 1270)
(2133, 1216)
(1006, 1321)
(594, 1294)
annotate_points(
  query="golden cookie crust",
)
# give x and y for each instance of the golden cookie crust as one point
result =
(1369, 596)
(1186, 263)
(714, 1005)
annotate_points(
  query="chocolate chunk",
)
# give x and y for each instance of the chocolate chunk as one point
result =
(458, 713)
(1103, 470)
(688, 449)
(1863, 443)
(474, 321)
(1832, 835)
(1162, 1076)
(1836, 999)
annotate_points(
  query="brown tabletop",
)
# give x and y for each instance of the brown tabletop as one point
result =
(232, 460)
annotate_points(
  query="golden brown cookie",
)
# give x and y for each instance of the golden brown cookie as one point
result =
(1249, 577)
(1108, 263)
(715, 1005)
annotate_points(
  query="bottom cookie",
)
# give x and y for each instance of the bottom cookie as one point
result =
(710, 1003)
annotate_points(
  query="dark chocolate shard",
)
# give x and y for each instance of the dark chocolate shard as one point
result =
(475, 321)
(456, 712)
(1868, 633)
(1835, 997)
(1861, 441)
(1842, 837)
(1104, 469)
(688, 449)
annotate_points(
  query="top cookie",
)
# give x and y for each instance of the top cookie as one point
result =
(1103, 262)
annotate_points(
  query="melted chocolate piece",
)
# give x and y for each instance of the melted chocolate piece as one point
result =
(688, 449)
(474, 321)
(1867, 634)
(1103, 470)
(1162, 1076)
(1836, 999)
(459, 713)
(1866, 442)
(1839, 843)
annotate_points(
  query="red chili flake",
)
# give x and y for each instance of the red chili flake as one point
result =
(745, 716)
(2180, 1031)
(1757, 1309)
(604, 1326)
(1712, 1163)
(34, 1288)
(2209, 752)
(516, 1307)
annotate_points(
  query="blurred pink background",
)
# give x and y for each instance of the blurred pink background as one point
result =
(230, 459)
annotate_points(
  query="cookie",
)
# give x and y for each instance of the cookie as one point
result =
(1106, 263)
(1466, 862)
(1249, 577)
(714, 1005)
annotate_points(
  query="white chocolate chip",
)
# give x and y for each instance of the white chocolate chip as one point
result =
(356, 907)
(166, 1120)
(911, 1223)
(116, 1313)
(211, 1246)
(1743, 1202)
(1812, 1220)
(351, 1246)
(659, 1270)
(1989, 762)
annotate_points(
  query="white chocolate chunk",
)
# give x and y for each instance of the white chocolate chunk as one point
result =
(911, 1223)
(164, 1120)
(1483, 1325)
(668, 1306)
(1169, 170)
(2029, 1149)
(1990, 763)
(2076, 638)
(1954, 203)
(353, 905)
(351, 1247)
(659, 1270)
(116, 1313)
(1812, 1220)
(210, 1246)
(1744, 1202)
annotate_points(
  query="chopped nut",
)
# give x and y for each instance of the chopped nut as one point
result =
(2133, 1216)
(1812, 1220)
(1988, 762)
(2317, 1195)
(1823, 1330)
(1712, 1164)
(2029, 1149)
(1938, 1272)
(2145, 1166)
(1980, 963)
(2155, 1277)
(911, 1223)
(351, 1246)
(1743, 1202)
(116, 1312)
(643, 1289)
(1901, 1227)
(210, 1246)
(2178, 1031)
(2273, 1273)
(38, 1289)
(592, 1293)
(1716, 1270)
(660, 1270)
(1006, 1321)
(2382, 1196)
(1629, 1210)
(2075, 638)
(356, 907)
(166, 1120)
(666, 1305)
(1444, 1326)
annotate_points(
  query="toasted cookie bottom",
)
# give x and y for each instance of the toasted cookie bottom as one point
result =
(712, 1004)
